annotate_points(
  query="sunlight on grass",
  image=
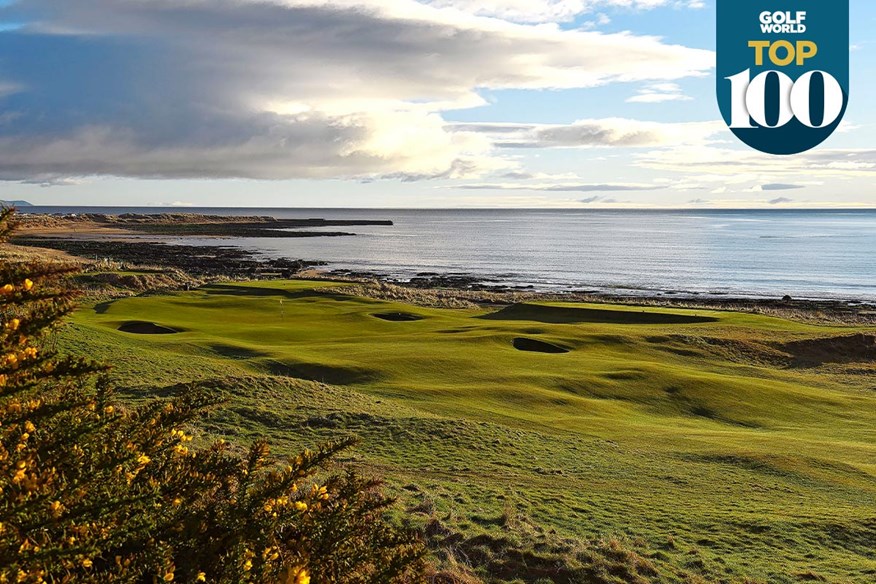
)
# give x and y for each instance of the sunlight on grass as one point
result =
(705, 427)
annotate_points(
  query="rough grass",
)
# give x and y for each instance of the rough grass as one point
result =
(692, 446)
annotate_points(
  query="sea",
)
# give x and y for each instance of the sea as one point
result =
(807, 254)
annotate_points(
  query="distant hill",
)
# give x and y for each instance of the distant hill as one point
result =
(15, 204)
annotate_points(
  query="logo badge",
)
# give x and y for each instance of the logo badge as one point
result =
(783, 71)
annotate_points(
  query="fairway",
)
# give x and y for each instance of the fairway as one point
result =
(717, 445)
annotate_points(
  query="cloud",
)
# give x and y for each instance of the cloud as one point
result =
(278, 89)
(543, 176)
(743, 164)
(54, 182)
(597, 21)
(553, 10)
(780, 201)
(780, 187)
(8, 88)
(563, 188)
(658, 93)
(608, 132)
(602, 201)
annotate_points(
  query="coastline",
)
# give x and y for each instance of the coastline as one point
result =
(182, 224)
(734, 254)
(132, 243)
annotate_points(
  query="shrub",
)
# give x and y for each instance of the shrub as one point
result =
(91, 491)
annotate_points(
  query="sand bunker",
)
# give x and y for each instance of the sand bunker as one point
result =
(398, 316)
(146, 328)
(535, 346)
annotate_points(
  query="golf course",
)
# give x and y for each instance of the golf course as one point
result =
(541, 442)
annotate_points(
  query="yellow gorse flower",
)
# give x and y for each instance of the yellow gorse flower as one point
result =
(28, 284)
(202, 577)
(19, 475)
(302, 577)
(182, 436)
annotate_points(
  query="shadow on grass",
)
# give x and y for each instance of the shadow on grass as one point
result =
(138, 327)
(536, 346)
(398, 316)
(232, 290)
(859, 348)
(103, 307)
(571, 315)
(235, 351)
(330, 374)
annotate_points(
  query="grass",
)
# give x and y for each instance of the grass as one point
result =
(716, 445)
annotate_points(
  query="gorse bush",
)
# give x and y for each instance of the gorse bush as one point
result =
(91, 491)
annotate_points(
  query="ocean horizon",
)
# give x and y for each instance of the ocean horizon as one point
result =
(747, 253)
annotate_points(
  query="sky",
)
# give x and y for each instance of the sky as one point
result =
(397, 103)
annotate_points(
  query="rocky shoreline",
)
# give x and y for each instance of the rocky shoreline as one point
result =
(197, 261)
(194, 264)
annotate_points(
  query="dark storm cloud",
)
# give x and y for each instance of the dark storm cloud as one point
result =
(179, 89)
